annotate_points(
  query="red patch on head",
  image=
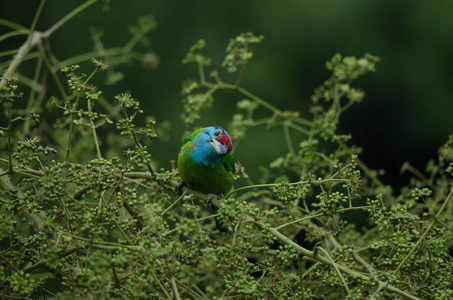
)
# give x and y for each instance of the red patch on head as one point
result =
(226, 141)
(193, 146)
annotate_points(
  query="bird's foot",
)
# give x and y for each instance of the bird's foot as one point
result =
(220, 225)
(208, 201)
(210, 197)
(179, 187)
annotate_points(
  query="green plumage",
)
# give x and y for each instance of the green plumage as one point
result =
(201, 168)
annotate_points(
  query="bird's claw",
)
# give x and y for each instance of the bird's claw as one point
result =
(210, 197)
(208, 201)
(179, 187)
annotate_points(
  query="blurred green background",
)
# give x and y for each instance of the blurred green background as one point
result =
(406, 115)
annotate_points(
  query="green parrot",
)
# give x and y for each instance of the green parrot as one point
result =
(206, 164)
(205, 161)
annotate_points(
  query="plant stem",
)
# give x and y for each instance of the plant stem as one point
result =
(35, 19)
(201, 74)
(69, 16)
(288, 140)
(175, 288)
(291, 183)
(160, 285)
(407, 166)
(14, 33)
(12, 25)
(54, 75)
(445, 203)
(93, 130)
(301, 279)
(255, 98)
(71, 128)
(173, 204)
(415, 247)
(40, 264)
(31, 98)
(8, 53)
(335, 266)
(297, 221)
(422, 238)
(310, 254)
(9, 129)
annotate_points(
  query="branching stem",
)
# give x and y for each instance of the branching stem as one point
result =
(422, 238)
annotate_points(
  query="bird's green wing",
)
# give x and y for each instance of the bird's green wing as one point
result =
(229, 163)
(186, 139)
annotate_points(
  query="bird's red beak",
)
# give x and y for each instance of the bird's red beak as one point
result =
(225, 140)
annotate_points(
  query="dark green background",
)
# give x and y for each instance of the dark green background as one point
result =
(406, 115)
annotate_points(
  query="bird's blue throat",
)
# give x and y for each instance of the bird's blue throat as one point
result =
(205, 155)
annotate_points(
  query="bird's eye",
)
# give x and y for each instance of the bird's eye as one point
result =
(216, 133)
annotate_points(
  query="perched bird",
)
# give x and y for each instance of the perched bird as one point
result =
(205, 162)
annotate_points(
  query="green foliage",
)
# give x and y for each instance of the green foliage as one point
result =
(240, 51)
(89, 214)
